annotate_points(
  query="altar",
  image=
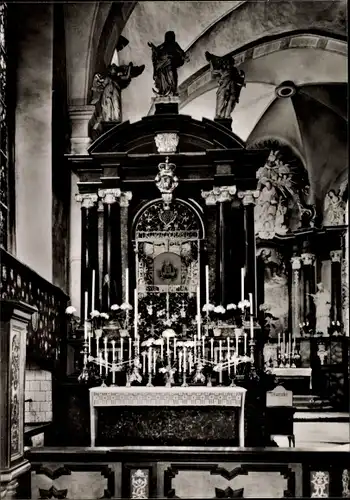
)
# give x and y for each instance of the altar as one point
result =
(222, 398)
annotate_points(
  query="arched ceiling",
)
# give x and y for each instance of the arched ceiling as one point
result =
(272, 40)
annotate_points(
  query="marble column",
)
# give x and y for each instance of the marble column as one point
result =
(295, 309)
(223, 196)
(124, 199)
(309, 287)
(249, 198)
(88, 243)
(109, 251)
(336, 283)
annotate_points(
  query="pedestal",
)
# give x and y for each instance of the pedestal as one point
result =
(14, 324)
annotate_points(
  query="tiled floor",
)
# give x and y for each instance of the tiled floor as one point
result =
(311, 435)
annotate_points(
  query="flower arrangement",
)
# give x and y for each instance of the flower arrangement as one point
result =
(232, 314)
(73, 320)
(121, 315)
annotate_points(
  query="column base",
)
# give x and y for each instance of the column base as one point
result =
(9, 479)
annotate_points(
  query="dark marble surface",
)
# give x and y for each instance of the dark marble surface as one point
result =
(167, 426)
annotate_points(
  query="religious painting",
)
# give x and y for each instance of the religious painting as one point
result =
(167, 269)
(273, 289)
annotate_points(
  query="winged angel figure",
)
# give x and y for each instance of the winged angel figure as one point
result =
(106, 91)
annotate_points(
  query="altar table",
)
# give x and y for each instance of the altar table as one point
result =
(290, 372)
(164, 396)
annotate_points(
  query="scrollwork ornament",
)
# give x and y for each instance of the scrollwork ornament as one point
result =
(345, 484)
(320, 481)
(139, 484)
(219, 194)
(166, 142)
(87, 200)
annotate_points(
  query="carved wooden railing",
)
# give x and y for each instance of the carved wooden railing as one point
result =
(47, 328)
(132, 472)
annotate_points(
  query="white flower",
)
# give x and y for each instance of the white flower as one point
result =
(162, 370)
(114, 307)
(208, 308)
(246, 303)
(95, 314)
(220, 310)
(168, 333)
(148, 342)
(159, 342)
(150, 310)
(70, 310)
(167, 322)
(104, 316)
(180, 343)
(126, 307)
(231, 306)
(189, 343)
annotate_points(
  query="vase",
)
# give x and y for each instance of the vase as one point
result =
(98, 333)
(124, 332)
(217, 332)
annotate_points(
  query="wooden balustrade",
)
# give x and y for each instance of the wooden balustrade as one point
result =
(185, 472)
(47, 328)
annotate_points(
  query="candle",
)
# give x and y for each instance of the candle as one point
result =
(203, 347)
(251, 303)
(198, 313)
(212, 349)
(168, 347)
(137, 345)
(113, 361)
(93, 291)
(220, 375)
(106, 354)
(251, 327)
(121, 349)
(127, 295)
(180, 362)
(130, 347)
(89, 337)
(143, 363)
(85, 330)
(97, 347)
(100, 363)
(135, 312)
(174, 349)
(189, 362)
(228, 348)
(162, 350)
(242, 283)
(237, 342)
(207, 287)
(245, 343)
(185, 360)
(195, 346)
(150, 360)
(86, 300)
(220, 350)
(279, 341)
(284, 343)
(290, 345)
(293, 353)
(154, 361)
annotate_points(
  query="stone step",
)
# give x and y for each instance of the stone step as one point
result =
(311, 402)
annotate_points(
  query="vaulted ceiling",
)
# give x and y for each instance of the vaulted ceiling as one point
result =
(274, 41)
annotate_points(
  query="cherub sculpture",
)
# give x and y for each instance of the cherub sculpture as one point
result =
(106, 92)
(166, 59)
(231, 82)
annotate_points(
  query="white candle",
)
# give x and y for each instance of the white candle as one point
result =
(168, 347)
(220, 376)
(284, 343)
(149, 360)
(174, 349)
(113, 360)
(162, 350)
(228, 347)
(135, 312)
(89, 337)
(100, 363)
(203, 347)
(185, 360)
(86, 295)
(195, 346)
(212, 349)
(251, 303)
(198, 313)
(121, 349)
(189, 362)
(130, 353)
(220, 350)
(154, 361)
(106, 354)
(279, 340)
(245, 343)
(93, 290)
(97, 347)
(143, 363)
(85, 331)
(293, 353)
(207, 286)
(242, 283)
(180, 362)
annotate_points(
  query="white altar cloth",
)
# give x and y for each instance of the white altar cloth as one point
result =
(164, 396)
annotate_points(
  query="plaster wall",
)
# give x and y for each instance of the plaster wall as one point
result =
(33, 138)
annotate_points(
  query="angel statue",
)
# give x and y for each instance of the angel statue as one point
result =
(322, 301)
(166, 59)
(106, 91)
(231, 82)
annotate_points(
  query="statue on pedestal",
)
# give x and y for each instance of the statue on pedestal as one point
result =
(166, 59)
(322, 301)
(231, 82)
(334, 209)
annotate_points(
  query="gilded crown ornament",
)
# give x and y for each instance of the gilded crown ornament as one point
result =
(166, 181)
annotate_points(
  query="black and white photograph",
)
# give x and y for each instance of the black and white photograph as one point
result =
(174, 249)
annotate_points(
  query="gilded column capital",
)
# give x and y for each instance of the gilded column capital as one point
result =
(124, 198)
(109, 196)
(307, 259)
(87, 200)
(336, 255)
(249, 196)
(296, 262)
(219, 194)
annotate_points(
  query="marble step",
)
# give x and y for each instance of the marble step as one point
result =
(311, 402)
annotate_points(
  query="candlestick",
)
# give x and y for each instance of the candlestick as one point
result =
(284, 343)
(121, 349)
(207, 287)
(212, 349)
(101, 361)
(93, 291)
(242, 283)
(168, 348)
(130, 351)
(135, 313)
(279, 341)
